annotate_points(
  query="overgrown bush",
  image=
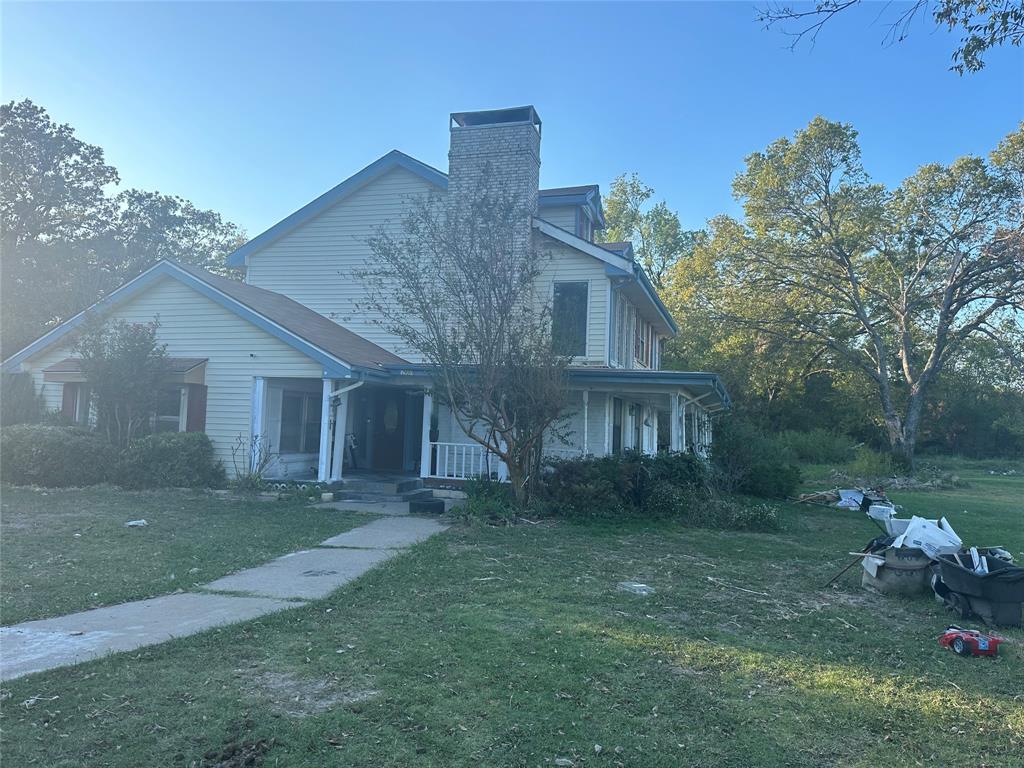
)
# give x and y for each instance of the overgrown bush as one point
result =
(745, 460)
(19, 404)
(818, 446)
(55, 457)
(171, 460)
(488, 500)
(731, 514)
(869, 463)
(632, 484)
(668, 486)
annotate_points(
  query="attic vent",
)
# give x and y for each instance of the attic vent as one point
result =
(489, 117)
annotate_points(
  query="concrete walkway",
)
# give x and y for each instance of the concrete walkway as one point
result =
(283, 583)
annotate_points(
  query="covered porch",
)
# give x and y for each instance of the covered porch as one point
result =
(610, 411)
(322, 429)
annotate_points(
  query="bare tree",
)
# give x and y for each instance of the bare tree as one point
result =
(984, 24)
(459, 287)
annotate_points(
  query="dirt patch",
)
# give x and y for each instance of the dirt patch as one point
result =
(238, 754)
(298, 697)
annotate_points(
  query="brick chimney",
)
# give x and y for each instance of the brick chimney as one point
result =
(506, 139)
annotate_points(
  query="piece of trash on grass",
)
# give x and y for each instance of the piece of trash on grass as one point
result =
(635, 587)
(969, 642)
(136, 524)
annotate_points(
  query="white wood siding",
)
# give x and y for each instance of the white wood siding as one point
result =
(192, 325)
(568, 264)
(314, 264)
(562, 216)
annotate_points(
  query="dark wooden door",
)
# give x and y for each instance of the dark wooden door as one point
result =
(388, 429)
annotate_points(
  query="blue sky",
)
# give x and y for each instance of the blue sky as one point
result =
(254, 109)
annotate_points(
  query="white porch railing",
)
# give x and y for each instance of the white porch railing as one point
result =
(462, 461)
(562, 452)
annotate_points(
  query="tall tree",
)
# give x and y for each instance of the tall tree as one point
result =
(67, 239)
(458, 287)
(658, 238)
(890, 284)
(983, 24)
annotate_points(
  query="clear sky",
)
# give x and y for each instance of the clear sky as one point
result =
(253, 109)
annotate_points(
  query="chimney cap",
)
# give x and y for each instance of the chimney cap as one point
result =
(493, 117)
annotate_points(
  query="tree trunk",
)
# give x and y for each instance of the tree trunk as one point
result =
(517, 478)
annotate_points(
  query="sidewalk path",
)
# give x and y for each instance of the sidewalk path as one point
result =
(283, 583)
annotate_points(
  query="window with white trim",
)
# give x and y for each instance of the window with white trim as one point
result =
(171, 409)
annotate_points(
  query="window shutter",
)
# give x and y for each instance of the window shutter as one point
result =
(195, 417)
(69, 401)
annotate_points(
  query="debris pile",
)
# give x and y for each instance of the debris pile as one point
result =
(917, 555)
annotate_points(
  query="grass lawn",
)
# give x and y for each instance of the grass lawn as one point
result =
(513, 647)
(69, 550)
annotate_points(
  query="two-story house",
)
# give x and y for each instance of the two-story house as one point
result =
(288, 359)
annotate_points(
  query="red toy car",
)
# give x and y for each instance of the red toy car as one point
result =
(968, 642)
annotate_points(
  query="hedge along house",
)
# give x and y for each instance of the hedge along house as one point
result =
(287, 359)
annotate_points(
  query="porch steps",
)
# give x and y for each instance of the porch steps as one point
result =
(372, 488)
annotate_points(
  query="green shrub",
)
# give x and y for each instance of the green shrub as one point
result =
(745, 460)
(664, 500)
(732, 514)
(869, 463)
(19, 404)
(55, 457)
(171, 460)
(488, 500)
(630, 485)
(818, 446)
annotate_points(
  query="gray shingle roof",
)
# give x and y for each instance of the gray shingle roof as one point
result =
(320, 331)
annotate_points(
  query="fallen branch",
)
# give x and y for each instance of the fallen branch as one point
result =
(733, 586)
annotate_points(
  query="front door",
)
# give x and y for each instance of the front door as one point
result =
(389, 429)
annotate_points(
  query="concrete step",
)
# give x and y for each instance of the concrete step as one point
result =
(388, 486)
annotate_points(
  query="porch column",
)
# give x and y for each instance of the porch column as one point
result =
(696, 430)
(586, 419)
(608, 407)
(428, 407)
(653, 444)
(673, 422)
(323, 471)
(340, 430)
(257, 445)
(710, 435)
(682, 425)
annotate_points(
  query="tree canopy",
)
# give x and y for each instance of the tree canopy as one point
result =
(892, 286)
(68, 239)
(658, 238)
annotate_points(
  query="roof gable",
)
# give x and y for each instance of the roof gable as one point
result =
(319, 338)
(390, 161)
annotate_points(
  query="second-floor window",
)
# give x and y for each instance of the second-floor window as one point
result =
(639, 339)
(569, 318)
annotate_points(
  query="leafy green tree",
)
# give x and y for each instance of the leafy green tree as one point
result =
(658, 238)
(67, 240)
(890, 285)
(983, 24)
(124, 365)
